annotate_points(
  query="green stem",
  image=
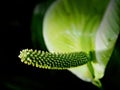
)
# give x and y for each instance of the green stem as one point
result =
(90, 67)
(96, 82)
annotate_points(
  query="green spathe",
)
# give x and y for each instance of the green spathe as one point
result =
(83, 25)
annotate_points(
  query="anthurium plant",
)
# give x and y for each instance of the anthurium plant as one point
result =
(80, 36)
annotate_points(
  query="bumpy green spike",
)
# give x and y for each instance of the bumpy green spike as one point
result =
(50, 60)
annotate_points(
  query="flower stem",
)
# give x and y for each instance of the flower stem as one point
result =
(96, 82)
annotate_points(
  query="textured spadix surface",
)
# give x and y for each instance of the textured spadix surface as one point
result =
(83, 25)
(49, 60)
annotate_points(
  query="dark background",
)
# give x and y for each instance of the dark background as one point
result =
(15, 35)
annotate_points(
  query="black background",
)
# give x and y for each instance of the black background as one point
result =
(15, 35)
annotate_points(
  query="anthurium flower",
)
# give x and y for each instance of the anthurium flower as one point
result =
(80, 36)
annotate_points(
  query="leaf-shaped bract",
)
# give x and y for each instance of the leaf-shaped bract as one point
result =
(49, 60)
(83, 25)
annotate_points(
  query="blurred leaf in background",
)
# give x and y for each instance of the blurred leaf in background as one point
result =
(37, 24)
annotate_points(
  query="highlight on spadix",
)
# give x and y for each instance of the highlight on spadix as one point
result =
(50, 60)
